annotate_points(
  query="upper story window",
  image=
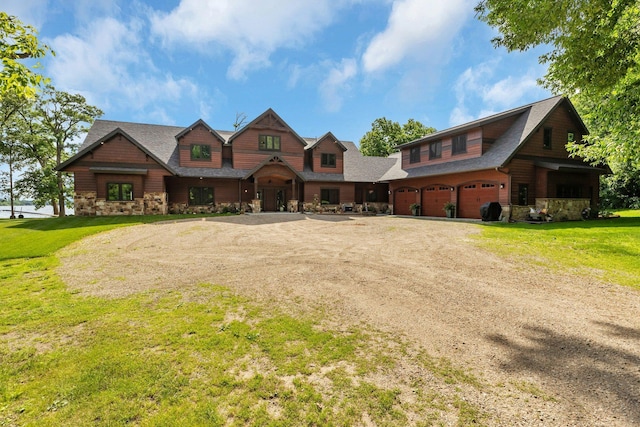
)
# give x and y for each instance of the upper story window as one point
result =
(269, 142)
(414, 155)
(435, 150)
(459, 144)
(200, 152)
(328, 160)
(546, 139)
(119, 191)
(571, 136)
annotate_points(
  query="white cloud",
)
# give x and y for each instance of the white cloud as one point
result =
(108, 64)
(250, 30)
(475, 86)
(30, 12)
(420, 30)
(336, 85)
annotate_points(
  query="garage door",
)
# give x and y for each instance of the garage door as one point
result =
(472, 196)
(404, 198)
(434, 198)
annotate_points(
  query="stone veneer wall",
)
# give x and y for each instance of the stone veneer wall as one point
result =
(86, 203)
(558, 209)
(563, 209)
(156, 204)
(183, 208)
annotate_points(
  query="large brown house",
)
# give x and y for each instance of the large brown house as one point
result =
(517, 158)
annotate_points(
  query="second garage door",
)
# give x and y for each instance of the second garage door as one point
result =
(433, 200)
(472, 196)
(404, 198)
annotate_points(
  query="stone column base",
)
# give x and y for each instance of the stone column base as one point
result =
(293, 206)
(255, 206)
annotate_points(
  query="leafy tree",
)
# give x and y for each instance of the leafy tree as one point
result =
(19, 42)
(12, 152)
(594, 58)
(385, 135)
(53, 122)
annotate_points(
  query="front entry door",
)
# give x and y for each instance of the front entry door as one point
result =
(272, 199)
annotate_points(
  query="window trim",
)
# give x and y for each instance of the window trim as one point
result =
(436, 154)
(201, 158)
(325, 160)
(262, 142)
(120, 192)
(200, 198)
(571, 136)
(457, 146)
(414, 154)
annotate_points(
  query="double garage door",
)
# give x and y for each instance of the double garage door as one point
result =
(470, 197)
(473, 195)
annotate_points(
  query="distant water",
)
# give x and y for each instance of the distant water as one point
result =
(30, 211)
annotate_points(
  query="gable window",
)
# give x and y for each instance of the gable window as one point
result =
(546, 139)
(200, 152)
(119, 191)
(435, 150)
(199, 196)
(330, 196)
(328, 160)
(459, 144)
(414, 155)
(571, 136)
(269, 142)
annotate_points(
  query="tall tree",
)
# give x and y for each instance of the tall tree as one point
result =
(385, 135)
(594, 58)
(19, 42)
(13, 152)
(55, 121)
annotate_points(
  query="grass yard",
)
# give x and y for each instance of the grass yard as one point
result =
(205, 356)
(607, 249)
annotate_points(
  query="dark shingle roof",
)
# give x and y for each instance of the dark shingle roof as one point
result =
(530, 118)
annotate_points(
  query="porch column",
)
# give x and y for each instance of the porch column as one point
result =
(255, 201)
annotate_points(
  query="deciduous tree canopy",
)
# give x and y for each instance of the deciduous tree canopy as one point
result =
(385, 135)
(594, 59)
(19, 42)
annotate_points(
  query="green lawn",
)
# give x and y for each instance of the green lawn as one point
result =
(205, 356)
(198, 356)
(608, 249)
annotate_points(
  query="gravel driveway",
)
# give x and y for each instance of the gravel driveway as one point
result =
(575, 339)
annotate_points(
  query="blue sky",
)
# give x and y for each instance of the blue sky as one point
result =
(322, 65)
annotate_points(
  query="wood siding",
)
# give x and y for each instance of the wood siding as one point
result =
(224, 190)
(330, 147)
(347, 190)
(474, 149)
(121, 153)
(200, 135)
(247, 155)
(560, 122)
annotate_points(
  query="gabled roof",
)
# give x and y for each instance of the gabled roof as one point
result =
(268, 160)
(262, 117)
(198, 123)
(529, 119)
(329, 135)
(92, 141)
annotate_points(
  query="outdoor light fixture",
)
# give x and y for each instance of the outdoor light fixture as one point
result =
(501, 186)
(452, 189)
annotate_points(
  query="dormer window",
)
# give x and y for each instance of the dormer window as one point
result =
(200, 152)
(435, 150)
(459, 144)
(328, 160)
(414, 155)
(269, 143)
